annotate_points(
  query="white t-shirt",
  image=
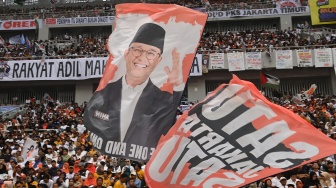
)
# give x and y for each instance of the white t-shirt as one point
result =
(81, 128)
(49, 184)
(276, 182)
(129, 99)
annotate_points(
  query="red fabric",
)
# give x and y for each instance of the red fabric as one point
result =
(234, 137)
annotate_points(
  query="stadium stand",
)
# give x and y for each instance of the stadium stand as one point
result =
(58, 127)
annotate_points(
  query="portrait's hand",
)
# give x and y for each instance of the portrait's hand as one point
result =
(174, 75)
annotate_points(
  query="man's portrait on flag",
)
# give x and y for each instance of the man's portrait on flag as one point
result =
(137, 99)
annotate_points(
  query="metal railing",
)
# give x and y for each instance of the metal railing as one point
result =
(267, 49)
(54, 57)
(198, 51)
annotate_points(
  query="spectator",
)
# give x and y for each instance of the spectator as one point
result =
(100, 183)
(121, 183)
(276, 180)
(326, 180)
(313, 180)
(128, 169)
(90, 180)
(47, 181)
(106, 179)
(31, 182)
(136, 181)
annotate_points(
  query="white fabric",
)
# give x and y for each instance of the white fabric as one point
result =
(129, 99)
(276, 182)
(81, 128)
(290, 181)
(49, 184)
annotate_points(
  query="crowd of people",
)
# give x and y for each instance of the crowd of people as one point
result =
(56, 48)
(250, 40)
(66, 158)
(262, 40)
(58, 10)
(320, 111)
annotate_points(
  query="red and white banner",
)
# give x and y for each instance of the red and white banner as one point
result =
(151, 52)
(235, 136)
(80, 20)
(323, 57)
(19, 24)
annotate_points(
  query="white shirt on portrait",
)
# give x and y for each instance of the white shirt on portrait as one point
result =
(129, 99)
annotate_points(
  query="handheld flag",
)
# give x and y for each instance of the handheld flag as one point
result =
(311, 90)
(158, 45)
(39, 47)
(234, 137)
(270, 81)
(306, 94)
(46, 97)
(15, 39)
(22, 41)
(28, 44)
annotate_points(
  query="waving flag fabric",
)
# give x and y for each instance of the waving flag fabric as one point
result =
(151, 52)
(232, 138)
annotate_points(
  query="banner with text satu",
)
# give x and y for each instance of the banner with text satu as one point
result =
(151, 52)
(322, 12)
(235, 136)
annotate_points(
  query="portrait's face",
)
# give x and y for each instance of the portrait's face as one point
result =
(141, 59)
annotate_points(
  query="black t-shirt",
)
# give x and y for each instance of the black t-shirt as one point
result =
(42, 174)
(26, 170)
(82, 172)
(52, 171)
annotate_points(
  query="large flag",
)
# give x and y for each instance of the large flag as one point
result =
(234, 137)
(267, 80)
(151, 52)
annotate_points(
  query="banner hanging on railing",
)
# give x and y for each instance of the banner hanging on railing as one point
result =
(257, 12)
(205, 63)
(196, 67)
(323, 57)
(52, 69)
(253, 61)
(236, 61)
(216, 61)
(304, 58)
(283, 59)
(19, 24)
(79, 20)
